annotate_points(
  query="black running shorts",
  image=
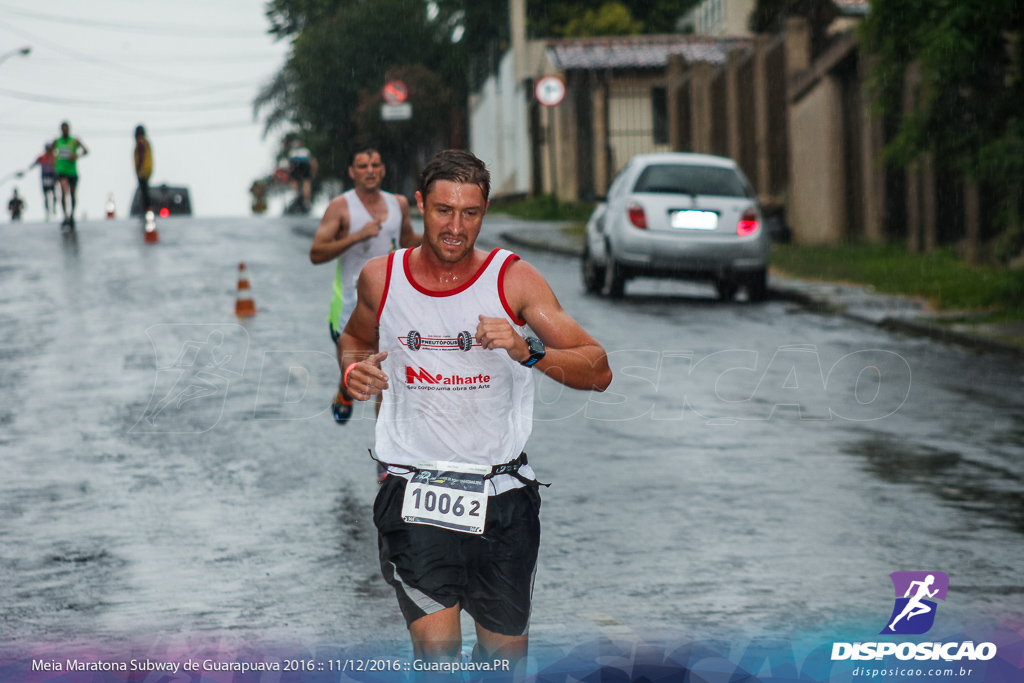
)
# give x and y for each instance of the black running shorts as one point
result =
(301, 170)
(490, 576)
(72, 179)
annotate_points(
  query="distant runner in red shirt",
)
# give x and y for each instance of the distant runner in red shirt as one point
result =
(47, 164)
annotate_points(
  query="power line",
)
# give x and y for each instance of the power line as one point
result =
(155, 97)
(162, 29)
(106, 64)
(152, 131)
(123, 106)
(190, 58)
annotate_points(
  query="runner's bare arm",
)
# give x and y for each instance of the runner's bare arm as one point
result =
(82, 147)
(407, 238)
(572, 356)
(359, 341)
(334, 236)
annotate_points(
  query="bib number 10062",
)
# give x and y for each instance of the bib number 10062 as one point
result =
(444, 504)
(450, 500)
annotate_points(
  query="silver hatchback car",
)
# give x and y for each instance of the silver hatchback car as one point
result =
(687, 216)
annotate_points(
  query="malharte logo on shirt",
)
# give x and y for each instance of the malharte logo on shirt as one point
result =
(420, 378)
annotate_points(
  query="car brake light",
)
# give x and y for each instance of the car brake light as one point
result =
(165, 212)
(636, 216)
(747, 224)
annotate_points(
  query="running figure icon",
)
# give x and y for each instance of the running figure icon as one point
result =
(195, 359)
(914, 606)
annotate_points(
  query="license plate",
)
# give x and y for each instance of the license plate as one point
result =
(448, 496)
(694, 220)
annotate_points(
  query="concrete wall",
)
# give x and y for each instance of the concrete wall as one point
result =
(816, 210)
(499, 129)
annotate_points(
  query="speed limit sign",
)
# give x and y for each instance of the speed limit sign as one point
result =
(549, 91)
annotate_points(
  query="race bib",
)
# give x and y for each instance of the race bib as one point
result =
(448, 495)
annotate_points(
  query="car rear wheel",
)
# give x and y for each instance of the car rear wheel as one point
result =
(614, 281)
(726, 289)
(593, 274)
(757, 286)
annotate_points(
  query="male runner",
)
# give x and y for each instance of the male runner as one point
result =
(16, 206)
(465, 398)
(68, 149)
(48, 175)
(360, 224)
(302, 168)
(143, 168)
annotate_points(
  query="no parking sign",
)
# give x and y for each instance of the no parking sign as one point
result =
(549, 91)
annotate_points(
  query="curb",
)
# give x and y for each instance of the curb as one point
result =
(918, 329)
(910, 327)
(823, 306)
(537, 243)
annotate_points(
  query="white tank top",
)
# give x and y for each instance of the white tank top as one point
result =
(449, 398)
(350, 263)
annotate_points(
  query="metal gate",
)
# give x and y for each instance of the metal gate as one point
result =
(637, 118)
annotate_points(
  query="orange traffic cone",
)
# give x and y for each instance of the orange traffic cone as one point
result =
(152, 235)
(244, 305)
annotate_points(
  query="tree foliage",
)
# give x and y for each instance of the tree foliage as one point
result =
(562, 18)
(610, 19)
(342, 54)
(289, 18)
(971, 55)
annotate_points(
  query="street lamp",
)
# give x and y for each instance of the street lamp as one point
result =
(23, 51)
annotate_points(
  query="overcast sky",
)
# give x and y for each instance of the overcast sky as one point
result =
(188, 70)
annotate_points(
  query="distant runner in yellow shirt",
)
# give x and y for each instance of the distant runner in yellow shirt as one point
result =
(143, 168)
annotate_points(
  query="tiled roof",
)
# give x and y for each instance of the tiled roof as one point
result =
(856, 7)
(625, 52)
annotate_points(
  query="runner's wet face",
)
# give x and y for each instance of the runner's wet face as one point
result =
(366, 171)
(452, 216)
(64, 129)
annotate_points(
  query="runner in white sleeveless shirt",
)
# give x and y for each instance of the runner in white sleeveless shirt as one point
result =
(361, 224)
(439, 331)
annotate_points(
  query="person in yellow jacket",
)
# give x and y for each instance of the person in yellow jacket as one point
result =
(143, 168)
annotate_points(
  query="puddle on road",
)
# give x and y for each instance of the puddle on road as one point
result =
(954, 479)
(353, 517)
(79, 557)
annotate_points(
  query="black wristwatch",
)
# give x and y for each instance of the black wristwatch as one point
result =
(537, 352)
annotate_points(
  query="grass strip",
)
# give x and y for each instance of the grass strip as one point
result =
(940, 277)
(545, 208)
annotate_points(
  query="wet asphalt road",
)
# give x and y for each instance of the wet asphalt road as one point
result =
(744, 476)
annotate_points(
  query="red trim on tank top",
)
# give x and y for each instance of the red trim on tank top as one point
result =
(501, 290)
(447, 292)
(387, 285)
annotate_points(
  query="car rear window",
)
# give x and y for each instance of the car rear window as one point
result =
(688, 179)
